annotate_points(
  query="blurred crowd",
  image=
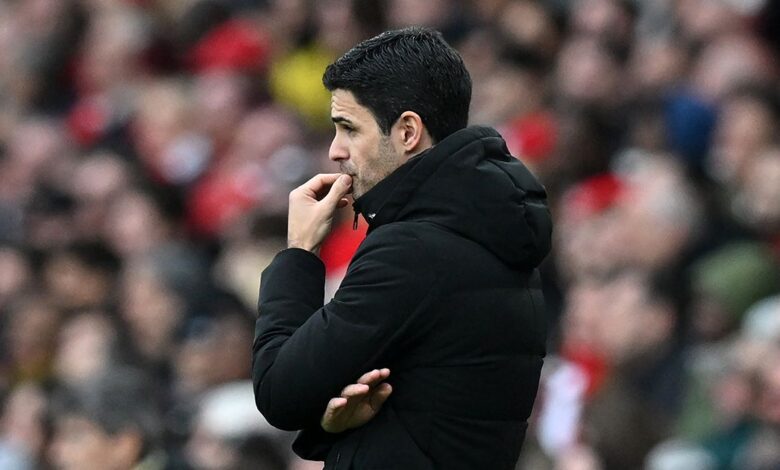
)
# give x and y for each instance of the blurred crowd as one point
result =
(147, 148)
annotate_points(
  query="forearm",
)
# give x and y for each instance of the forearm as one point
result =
(306, 355)
(291, 291)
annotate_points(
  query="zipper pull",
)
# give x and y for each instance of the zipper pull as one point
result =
(355, 223)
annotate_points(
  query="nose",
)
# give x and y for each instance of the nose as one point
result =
(338, 151)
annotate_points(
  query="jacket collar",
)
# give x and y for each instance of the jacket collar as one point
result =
(471, 185)
(382, 203)
(371, 204)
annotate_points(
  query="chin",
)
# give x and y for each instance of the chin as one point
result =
(357, 191)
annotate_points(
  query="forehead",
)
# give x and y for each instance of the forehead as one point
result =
(343, 104)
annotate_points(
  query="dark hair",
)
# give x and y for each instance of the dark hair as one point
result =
(116, 401)
(758, 92)
(95, 255)
(410, 69)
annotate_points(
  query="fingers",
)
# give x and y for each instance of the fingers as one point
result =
(329, 187)
(317, 182)
(365, 384)
(339, 189)
(354, 390)
(315, 187)
(358, 402)
(380, 395)
(335, 405)
(373, 377)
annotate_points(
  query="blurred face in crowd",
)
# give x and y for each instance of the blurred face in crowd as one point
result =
(745, 127)
(586, 72)
(209, 452)
(134, 224)
(151, 309)
(770, 389)
(15, 272)
(528, 24)
(31, 152)
(702, 19)
(29, 337)
(287, 20)
(585, 302)
(84, 348)
(359, 147)
(73, 284)
(221, 341)
(760, 195)
(733, 391)
(22, 418)
(164, 112)
(96, 180)
(410, 12)
(656, 65)
(658, 215)
(727, 62)
(618, 318)
(112, 48)
(81, 444)
(507, 92)
(632, 322)
(340, 29)
(220, 102)
(589, 246)
(603, 18)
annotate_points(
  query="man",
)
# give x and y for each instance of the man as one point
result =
(110, 421)
(443, 291)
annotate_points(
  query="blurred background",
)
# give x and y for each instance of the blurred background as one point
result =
(147, 148)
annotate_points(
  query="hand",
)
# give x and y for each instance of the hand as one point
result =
(358, 403)
(312, 206)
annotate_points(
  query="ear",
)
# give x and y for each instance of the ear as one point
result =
(413, 137)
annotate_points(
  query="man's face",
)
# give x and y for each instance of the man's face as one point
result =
(360, 147)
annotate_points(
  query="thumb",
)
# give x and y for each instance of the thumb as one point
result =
(339, 189)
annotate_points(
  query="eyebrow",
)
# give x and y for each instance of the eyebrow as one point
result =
(341, 120)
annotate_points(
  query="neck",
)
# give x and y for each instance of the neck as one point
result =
(424, 144)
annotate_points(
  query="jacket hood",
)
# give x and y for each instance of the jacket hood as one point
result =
(470, 184)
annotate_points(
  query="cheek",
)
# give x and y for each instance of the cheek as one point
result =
(360, 155)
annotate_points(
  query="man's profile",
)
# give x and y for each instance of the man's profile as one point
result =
(430, 352)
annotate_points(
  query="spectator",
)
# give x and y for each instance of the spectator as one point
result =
(111, 421)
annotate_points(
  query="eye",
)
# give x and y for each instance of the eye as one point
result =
(347, 127)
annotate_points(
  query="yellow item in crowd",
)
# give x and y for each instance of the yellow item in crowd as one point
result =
(296, 81)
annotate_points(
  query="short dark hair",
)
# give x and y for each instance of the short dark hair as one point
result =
(116, 401)
(410, 69)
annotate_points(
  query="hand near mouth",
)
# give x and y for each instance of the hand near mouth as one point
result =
(312, 207)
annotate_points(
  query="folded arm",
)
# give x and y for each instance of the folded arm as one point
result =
(304, 355)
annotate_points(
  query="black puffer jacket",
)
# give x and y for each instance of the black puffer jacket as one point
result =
(443, 291)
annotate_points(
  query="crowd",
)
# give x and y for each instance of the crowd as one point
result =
(147, 148)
